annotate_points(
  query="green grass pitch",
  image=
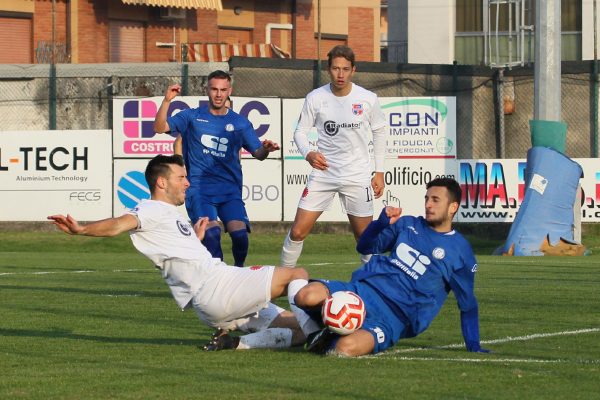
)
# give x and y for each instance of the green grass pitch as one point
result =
(87, 318)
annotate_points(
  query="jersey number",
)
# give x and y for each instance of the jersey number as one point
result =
(369, 194)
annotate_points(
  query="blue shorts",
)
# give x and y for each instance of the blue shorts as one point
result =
(228, 210)
(386, 327)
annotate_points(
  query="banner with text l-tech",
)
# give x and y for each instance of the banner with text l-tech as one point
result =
(55, 172)
(133, 123)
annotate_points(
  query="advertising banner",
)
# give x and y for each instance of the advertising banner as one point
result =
(55, 172)
(261, 191)
(420, 127)
(133, 123)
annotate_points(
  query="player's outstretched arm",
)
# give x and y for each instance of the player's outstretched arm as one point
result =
(102, 228)
(469, 322)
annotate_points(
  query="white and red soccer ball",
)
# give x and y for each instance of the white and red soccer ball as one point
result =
(343, 312)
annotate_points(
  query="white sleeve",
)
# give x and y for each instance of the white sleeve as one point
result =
(305, 124)
(379, 129)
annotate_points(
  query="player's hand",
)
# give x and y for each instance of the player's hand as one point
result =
(393, 213)
(476, 348)
(317, 160)
(66, 224)
(200, 227)
(270, 146)
(377, 183)
(172, 92)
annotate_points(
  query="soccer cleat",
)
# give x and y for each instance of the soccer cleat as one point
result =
(318, 342)
(222, 340)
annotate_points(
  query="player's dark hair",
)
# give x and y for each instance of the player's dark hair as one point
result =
(218, 74)
(341, 51)
(159, 167)
(454, 190)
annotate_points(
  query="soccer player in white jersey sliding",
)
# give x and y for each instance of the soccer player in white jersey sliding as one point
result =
(224, 297)
(345, 116)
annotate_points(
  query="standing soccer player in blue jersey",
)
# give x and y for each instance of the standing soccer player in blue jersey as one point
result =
(405, 290)
(212, 138)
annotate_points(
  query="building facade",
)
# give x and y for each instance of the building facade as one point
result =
(101, 31)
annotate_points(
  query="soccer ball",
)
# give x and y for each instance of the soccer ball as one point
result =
(343, 312)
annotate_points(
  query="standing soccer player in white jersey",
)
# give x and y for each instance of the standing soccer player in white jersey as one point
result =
(224, 297)
(345, 116)
(405, 290)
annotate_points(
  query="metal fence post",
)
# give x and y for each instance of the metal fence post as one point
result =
(52, 97)
(185, 74)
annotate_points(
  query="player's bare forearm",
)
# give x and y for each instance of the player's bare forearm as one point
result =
(103, 228)
(160, 121)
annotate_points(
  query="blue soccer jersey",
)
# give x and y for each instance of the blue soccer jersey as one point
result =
(211, 146)
(421, 269)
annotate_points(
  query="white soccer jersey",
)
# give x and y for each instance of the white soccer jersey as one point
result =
(163, 233)
(344, 126)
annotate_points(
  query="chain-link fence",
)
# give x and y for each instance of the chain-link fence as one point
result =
(493, 109)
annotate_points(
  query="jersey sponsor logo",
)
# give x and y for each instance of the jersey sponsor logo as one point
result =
(216, 146)
(412, 228)
(184, 228)
(411, 261)
(438, 253)
(256, 267)
(201, 120)
(332, 128)
(357, 109)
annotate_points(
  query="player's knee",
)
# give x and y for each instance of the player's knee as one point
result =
(350, 346)
(297, 234)
(299, 273)
(310, 296)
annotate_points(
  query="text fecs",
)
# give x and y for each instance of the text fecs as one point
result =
(85, 196)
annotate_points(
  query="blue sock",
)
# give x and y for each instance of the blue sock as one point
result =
(239, 246)
(212, 241)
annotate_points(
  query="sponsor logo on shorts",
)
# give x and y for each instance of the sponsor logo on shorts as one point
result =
(305, 192)
(185, 228)
(474, 268)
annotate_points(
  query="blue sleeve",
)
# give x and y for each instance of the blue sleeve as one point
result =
(379, 236)
(469, 323)
(250, 141)
(179, 122)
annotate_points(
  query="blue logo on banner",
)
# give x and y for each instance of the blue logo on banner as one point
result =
(132, 188)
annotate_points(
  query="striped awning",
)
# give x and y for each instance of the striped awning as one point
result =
(206, 4)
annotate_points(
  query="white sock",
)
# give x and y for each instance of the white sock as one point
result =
(290, 253)
(364, 258)
(270, 338)
(307, 324)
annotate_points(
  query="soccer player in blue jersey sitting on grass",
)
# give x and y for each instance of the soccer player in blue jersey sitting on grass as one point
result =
(212, 137)
(405, 290)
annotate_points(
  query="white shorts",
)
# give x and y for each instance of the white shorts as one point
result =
(231, 297)
(224, 296)
(356, 198)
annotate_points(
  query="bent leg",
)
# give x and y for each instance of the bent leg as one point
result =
(286, 319)
(282, 276)
(355, 344)
(312, 295)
